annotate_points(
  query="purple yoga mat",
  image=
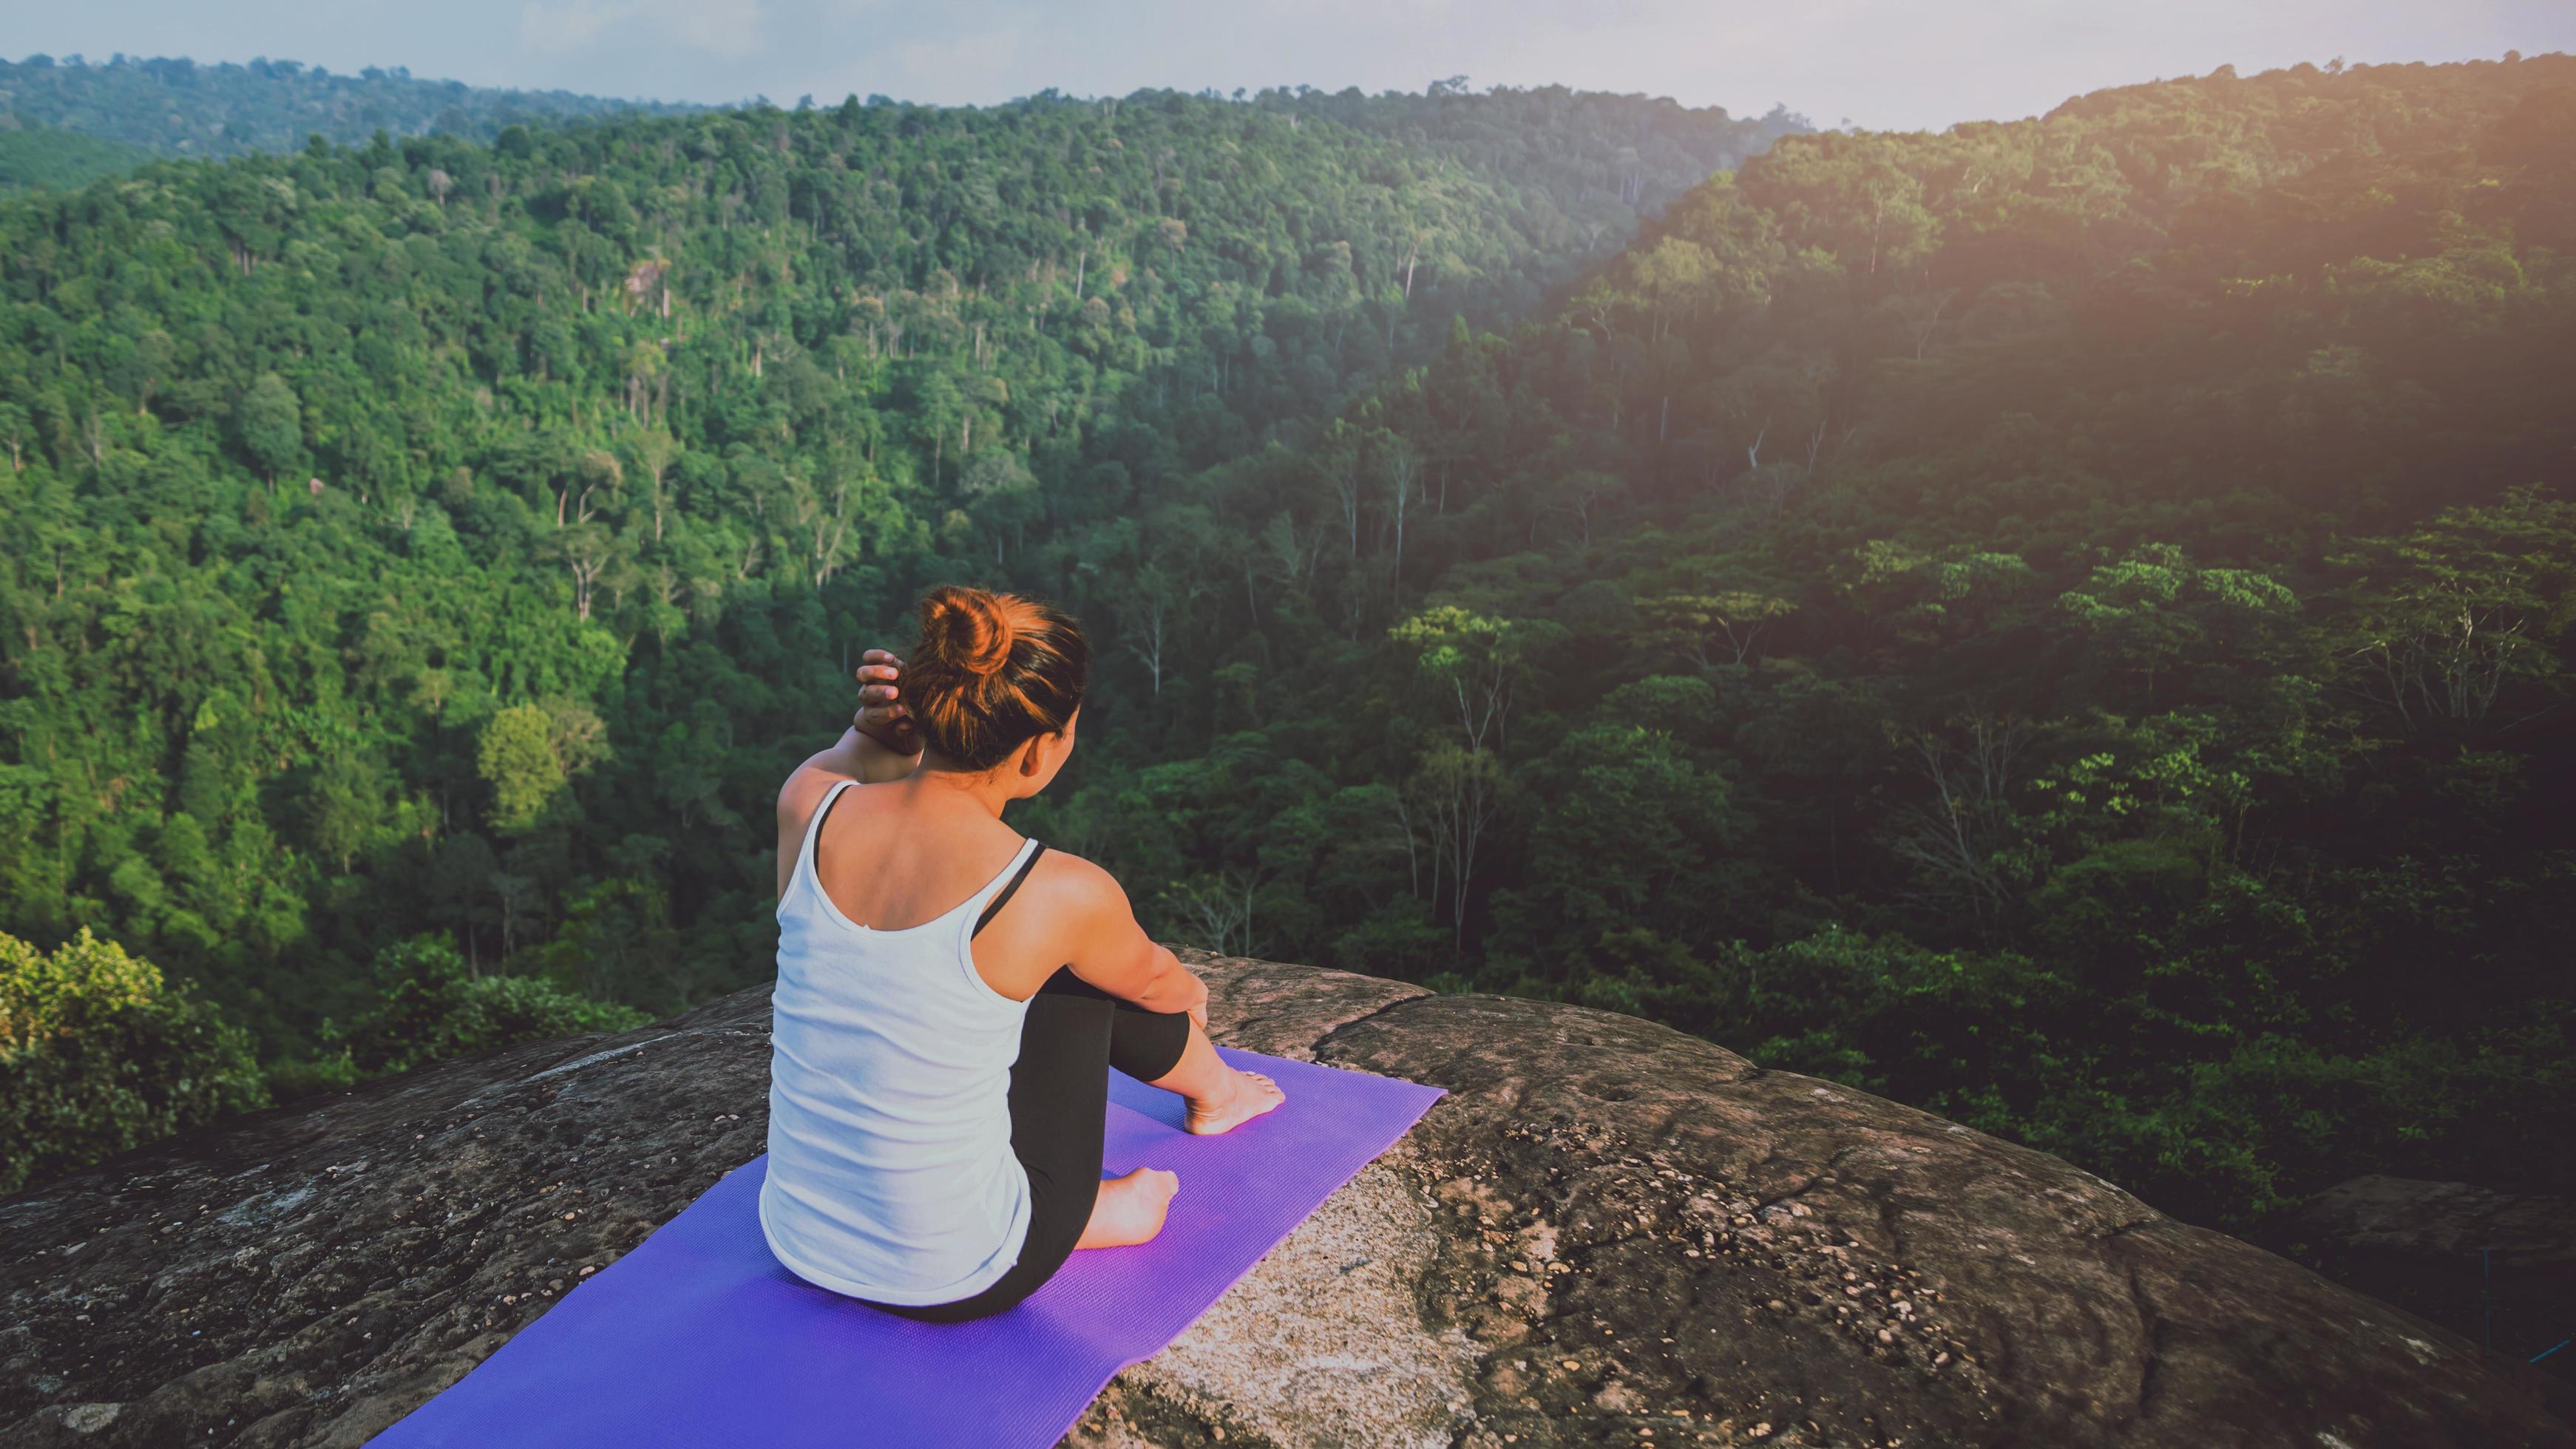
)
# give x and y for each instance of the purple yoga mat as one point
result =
(698, 1337)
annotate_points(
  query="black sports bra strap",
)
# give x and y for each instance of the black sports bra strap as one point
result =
(1004, 899)
(838, 791)
(814, 846)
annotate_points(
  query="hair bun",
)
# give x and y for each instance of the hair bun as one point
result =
(990, 671)
(974, 626)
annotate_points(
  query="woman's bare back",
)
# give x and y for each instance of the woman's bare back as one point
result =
(890, 865)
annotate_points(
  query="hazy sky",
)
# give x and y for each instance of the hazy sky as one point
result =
(1882, 63)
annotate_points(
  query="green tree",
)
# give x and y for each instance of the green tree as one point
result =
(99, 1053)
(272, 425)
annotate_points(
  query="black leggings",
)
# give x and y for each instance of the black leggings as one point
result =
(1073, 1034)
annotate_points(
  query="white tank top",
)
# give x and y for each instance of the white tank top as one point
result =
(891, 1175)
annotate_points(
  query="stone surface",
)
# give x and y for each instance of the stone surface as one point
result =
(2481, 1262)
(1609, 1233)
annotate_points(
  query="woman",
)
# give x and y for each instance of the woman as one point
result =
(951, 997)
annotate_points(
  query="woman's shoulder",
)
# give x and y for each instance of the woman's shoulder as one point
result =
(803, 794)
(1063, 871)
(1066, 883)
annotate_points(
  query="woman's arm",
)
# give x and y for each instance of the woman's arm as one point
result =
(1075, 913)
(859, 756)
(1135, 966)
(881, 744)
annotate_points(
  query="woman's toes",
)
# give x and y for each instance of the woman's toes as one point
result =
(1248, 1095)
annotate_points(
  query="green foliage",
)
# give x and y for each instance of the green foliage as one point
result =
(60, 160)
(433, 1007)
(177, 107)
(426, 538)
(445, 539)
(272, 424)
(2457, 616)
(2103, 556)
(98, 1053)
(2053, 621)
(528, 754)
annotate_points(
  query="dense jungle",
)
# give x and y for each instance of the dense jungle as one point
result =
(2062, 622)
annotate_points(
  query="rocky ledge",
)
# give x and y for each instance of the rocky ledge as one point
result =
(1609, 1233)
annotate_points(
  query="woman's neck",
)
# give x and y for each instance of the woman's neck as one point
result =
(941, 785)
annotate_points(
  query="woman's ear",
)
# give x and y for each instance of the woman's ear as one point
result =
(1032, 760)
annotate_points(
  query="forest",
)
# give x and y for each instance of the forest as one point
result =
(2064, 622)
(130, 107)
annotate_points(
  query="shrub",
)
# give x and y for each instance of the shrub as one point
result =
(433, 1008)
(99, 1053)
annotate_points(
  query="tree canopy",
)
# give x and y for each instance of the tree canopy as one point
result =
(173, 106)
(2062, 622)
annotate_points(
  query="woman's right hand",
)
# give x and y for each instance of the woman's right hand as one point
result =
(882, 717)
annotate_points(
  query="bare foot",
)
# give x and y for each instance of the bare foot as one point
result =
(1130, 1209)
(1246, 1095)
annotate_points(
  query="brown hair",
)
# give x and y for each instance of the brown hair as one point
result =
(992, 672)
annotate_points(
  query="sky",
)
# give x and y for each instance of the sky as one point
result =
(1880, 64)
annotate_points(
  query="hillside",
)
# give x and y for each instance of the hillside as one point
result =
(2065, 624)
(729, 371)
(60, 160)
(1604, 159)
(177, 107)
(1608, 1233)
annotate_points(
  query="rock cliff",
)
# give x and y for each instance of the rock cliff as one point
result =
(1610, 1233)
(2489, 1265)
